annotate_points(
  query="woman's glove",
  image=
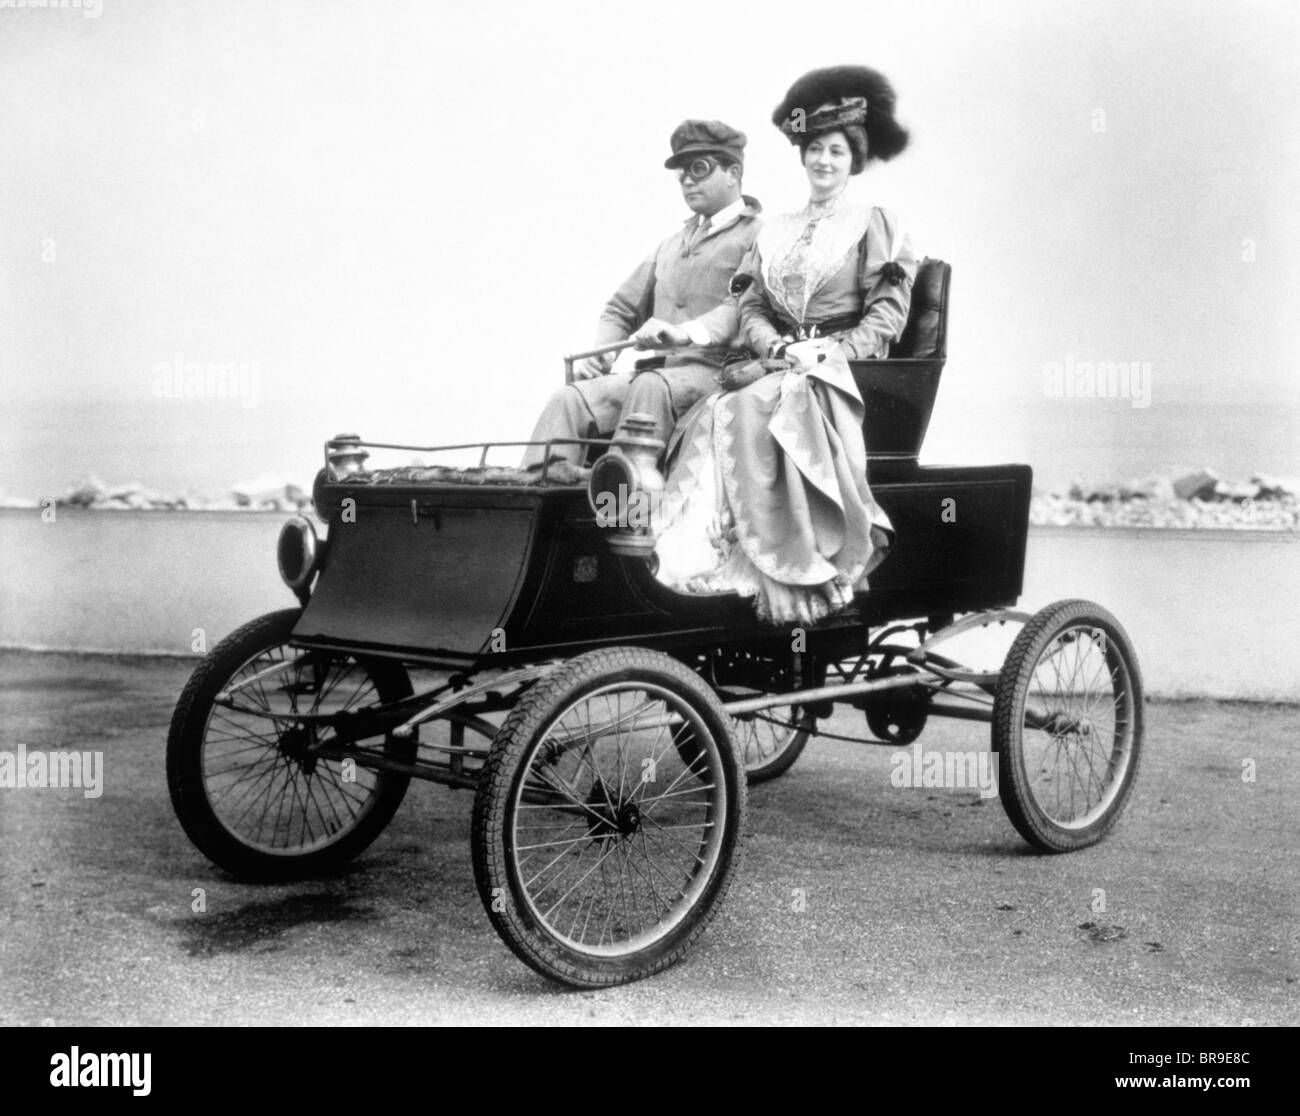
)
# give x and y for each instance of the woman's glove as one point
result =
(733, 377)
(806, 354)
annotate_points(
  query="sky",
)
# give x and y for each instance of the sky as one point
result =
(396, 216)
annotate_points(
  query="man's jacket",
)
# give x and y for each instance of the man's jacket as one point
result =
(681, 281)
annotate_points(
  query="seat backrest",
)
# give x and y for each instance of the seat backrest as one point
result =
(899, 391)
(925, 336)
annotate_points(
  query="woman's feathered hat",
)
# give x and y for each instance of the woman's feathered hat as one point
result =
(839, 97)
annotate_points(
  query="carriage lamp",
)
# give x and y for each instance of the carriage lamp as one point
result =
(318, 497)
(298, 554)
(626, 487)
(345, 455)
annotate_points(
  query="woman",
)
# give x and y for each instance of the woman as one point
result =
(767, 489)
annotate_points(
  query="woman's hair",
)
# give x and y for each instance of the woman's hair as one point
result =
(855, 134)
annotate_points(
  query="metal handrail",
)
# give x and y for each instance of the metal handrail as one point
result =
(600, 350)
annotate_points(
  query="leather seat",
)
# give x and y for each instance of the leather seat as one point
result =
(899, 391)
(925, 336)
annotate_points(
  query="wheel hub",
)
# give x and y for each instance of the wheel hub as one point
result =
(628, 819)
(613, 818)
(296, 743)
(1061, 725)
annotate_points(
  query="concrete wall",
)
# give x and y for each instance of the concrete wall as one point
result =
(1212, 613)
(135, 581)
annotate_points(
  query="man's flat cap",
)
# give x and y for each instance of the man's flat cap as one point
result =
(705, 137)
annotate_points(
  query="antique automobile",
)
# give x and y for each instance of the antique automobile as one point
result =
(496, 630)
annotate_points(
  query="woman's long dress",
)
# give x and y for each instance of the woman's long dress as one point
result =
(767, 492)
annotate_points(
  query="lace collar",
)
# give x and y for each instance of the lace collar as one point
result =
(801, 251)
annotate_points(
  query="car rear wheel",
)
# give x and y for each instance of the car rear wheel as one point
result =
(1067, 724)
(770, 740)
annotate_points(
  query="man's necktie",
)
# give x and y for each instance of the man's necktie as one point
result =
(698, 234)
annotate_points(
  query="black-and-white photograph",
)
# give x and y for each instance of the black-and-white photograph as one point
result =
(669, 515)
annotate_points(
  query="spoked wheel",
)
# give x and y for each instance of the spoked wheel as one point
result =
(608, 819)
(1067, 722)
(253, 792)
(770, 740)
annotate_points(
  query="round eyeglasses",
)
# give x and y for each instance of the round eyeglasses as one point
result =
(697, 170)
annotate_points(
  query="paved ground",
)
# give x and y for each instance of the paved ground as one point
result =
(921, 906)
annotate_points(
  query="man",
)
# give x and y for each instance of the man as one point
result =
(685, 277)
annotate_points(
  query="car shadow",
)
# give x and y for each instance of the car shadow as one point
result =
(259, 926)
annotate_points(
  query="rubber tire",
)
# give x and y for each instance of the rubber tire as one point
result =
(492, 859)
(184, 760)
(784, 760)
(1008, 725)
